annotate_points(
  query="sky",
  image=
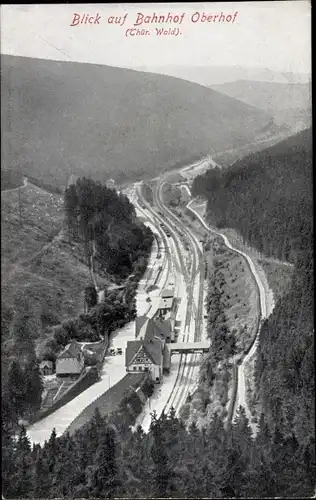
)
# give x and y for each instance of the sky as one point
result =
(274, 35)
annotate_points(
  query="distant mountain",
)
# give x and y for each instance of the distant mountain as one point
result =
(215, 75)
(64, 118)
(289, 103)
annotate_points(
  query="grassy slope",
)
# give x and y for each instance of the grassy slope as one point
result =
(288, 103)
(41, 272)
(39, 267)
(41, 216)
(111, 122)
(109, 402)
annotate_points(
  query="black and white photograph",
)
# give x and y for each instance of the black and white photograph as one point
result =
(157, 279)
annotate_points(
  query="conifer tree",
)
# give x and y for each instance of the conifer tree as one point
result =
(16, 390)
(160, 458)
(33, 383)
(106, 465)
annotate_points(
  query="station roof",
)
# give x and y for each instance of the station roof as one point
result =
(148, 328)
(72, 350)
(167, 292)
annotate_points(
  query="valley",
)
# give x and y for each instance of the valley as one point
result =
(185, 268)
(157, 324)
(195, 258)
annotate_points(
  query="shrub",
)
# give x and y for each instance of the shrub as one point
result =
(185, 411)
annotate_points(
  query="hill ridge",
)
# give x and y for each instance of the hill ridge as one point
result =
(109, 122)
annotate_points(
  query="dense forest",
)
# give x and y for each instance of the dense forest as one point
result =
(103, 461)
(101, 216)
(267, 198)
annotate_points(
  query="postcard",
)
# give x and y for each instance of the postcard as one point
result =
(157, 250)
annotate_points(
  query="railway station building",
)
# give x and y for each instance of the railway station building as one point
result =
(145, 355)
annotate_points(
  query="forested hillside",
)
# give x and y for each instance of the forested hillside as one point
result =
(105, 224)
(105, 122)
(285, 371)
(267, 197)
(259, 197)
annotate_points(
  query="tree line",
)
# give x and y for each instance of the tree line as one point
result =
(21, 382)
(169, 461)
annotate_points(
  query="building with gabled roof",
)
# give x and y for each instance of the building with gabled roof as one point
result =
(70, 361)
(145, 355)
(159, 328)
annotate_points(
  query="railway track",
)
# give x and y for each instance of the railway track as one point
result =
(184, 272)
(181, 386)
(178, 223)
(187, 363)
(167, 253)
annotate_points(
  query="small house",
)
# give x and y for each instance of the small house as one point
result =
(70, 361)
(46, 367)
(165, 306)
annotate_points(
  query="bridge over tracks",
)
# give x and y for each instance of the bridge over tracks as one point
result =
(188, 347)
